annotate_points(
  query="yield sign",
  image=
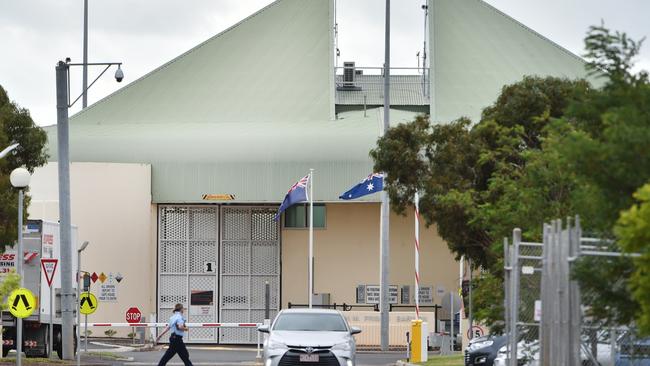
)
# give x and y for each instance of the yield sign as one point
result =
(49, 268)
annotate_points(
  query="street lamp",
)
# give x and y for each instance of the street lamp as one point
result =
(62, 129)
(19, 178)
(81, 249)
(8, 149)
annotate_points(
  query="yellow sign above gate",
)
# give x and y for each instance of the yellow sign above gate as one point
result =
(218, 197)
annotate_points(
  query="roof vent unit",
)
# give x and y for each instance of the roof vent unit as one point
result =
(349, 72)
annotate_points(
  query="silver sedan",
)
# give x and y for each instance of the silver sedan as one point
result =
(309, 337)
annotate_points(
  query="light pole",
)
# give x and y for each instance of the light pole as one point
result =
(62, 105)
(81, 249)
(20, 179)
(8, 149)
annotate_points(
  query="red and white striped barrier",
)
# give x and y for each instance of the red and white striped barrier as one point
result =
(189, 325)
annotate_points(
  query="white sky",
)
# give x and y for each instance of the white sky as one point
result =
(35, 34)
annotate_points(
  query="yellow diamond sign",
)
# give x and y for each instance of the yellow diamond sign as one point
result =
(102, 277)
(21, 303)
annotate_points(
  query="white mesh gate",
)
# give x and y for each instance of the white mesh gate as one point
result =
(188, 258)
(195, 268)
(250, 252)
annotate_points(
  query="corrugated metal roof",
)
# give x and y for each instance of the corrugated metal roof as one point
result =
(276, 63)
(476, 49)
(255, 161)
(410, 90)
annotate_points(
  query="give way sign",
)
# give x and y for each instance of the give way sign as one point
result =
(49, 268)
(133, 315)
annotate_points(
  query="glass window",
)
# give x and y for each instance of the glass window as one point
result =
(310, 322)
(297, 216)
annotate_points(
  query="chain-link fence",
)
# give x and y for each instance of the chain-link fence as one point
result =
(550, 320)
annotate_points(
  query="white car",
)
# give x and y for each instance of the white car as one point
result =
(309, 337)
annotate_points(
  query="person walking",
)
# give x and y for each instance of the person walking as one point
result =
(176, 345)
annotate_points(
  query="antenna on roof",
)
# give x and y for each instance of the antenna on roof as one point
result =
(336, 35)
(425, 7)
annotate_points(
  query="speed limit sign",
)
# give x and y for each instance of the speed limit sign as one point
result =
(475, 331)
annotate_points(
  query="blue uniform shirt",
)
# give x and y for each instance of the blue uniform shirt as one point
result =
(174, 322)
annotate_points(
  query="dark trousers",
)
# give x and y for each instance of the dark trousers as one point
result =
(176, 345)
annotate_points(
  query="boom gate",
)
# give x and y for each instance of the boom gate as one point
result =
(216, 260)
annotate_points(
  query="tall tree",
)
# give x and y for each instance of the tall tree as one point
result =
(16, 125)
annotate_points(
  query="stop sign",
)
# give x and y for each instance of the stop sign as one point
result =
(133, 315)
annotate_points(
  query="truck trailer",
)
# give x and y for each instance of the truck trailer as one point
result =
(40, 240)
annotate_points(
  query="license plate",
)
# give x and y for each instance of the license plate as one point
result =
(309, 358)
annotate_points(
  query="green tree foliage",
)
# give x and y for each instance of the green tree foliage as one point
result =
(633, 231)
(10, 281)
(16, 125)
(547, 148)
(463, 171)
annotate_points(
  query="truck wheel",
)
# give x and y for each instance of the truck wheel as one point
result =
(59, 349)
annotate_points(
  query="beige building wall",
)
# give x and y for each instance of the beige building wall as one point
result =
(111, 206)
(346, 254)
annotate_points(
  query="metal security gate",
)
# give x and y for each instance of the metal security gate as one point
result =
(196, 268)
(250, 253)
(188, 261)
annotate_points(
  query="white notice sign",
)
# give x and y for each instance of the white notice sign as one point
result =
(373, 294)
(108, 291)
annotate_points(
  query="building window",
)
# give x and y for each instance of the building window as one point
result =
(297, 216)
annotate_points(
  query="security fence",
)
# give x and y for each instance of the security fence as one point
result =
(549, 318)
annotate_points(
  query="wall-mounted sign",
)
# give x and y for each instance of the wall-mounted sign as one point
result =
(202, 302)
(426, 294)
(406, 294)
(373, 294)
(208, 267)
(218, 197)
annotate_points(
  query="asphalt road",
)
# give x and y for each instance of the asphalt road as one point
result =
(220, 356)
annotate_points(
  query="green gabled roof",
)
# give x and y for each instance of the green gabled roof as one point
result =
(476, 50)
(276, 63)
(255, 161)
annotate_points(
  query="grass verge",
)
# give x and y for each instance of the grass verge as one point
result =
(454, 360)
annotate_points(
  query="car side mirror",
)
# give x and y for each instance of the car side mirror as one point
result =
(264, 329)
(355, 330)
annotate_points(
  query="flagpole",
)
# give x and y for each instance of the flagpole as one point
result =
(311, 236)
(416, 201)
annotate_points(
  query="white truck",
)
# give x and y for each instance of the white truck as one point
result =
(40, 240)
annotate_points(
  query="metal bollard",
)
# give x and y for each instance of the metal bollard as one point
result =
(259, 353)
(408, 348)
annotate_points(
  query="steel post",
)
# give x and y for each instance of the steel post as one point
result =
(19, 269)
(385, 209)
(67, 320)
(77, 304)
(84, 89)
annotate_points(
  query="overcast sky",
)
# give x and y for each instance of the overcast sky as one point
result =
(35, 34)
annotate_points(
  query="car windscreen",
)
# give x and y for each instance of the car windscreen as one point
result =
(310, 322)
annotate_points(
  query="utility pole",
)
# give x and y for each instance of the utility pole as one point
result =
(385, 208)
(84, 101)
(67, 297)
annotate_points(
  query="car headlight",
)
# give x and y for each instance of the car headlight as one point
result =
(345, 346)
(503, 350)
(272, 344)
(479, 345)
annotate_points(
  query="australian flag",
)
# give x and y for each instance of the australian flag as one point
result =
(297, 193)
(371, 184)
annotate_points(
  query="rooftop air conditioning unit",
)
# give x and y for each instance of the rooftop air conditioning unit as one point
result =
(348, 74)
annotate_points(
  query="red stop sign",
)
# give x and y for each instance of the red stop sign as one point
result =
(133, 315)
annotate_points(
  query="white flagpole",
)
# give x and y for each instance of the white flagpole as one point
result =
(416, 202)
(311, 236)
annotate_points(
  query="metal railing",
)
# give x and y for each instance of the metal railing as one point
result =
(335, 306)
(365, 85)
